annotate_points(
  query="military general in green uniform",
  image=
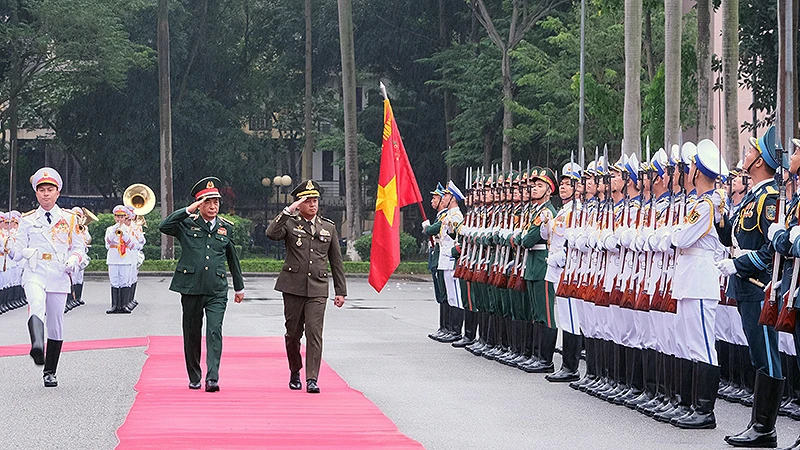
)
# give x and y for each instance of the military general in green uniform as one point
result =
(311, 243)
(206, 243)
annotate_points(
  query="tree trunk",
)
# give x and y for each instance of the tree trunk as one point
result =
(448, 99)
(308, 149)
(353, 197)
(672, 72)
(632, 115)
(165, 124)
(730, 78)
(13, 106)
(487, 149)
(508, 117)
(786, 120)
(704, 70)
(648, 43)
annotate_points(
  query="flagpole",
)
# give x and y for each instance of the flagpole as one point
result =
(421, 209)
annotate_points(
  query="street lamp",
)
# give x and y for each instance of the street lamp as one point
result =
(282, 180)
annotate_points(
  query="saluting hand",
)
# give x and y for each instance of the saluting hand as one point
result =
(191, 209)
(293, 207)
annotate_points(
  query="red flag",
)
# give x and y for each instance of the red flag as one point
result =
(397, 187)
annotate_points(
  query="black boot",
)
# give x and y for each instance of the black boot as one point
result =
(51, 362)
(436, 335)
(470, 327)
(794, 409)
(133, 303)
(589, 376)
(723, 356)
(455, 322)
(548, 347)
(497, 338)
(619, 371)
(656, 361)
(481, 344)
(684, 373)
(606, 381)
(570, 358)
(79, 294)
(735, 388)
(634, 371)
(707, 384)
(766, 400)
(125, 300)
(36, 331)
(648, 379)
(114, 301)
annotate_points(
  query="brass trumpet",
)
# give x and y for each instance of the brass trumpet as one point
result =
(142, 199)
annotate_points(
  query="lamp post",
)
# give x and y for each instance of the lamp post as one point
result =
(282, 181)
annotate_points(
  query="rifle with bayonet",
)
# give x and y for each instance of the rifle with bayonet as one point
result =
(769, 311)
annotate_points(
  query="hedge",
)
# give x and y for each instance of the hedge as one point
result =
(261, 265)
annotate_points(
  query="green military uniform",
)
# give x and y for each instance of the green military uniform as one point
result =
(310, 246)
(200, 279)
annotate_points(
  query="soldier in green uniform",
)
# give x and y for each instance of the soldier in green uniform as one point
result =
(207, 243)
(312, 242)
(541, 293)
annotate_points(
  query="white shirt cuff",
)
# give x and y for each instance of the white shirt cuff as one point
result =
(239, 292)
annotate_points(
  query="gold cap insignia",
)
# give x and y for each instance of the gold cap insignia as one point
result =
(210, 185)
(310, 185)
(45, 174)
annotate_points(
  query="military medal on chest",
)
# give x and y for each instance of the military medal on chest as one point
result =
(299, 242)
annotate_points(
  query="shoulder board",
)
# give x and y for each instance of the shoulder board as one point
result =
(193, 216)
(28, 213)
(67, 211)
(771, 190)
(228, 221)
(325, 219)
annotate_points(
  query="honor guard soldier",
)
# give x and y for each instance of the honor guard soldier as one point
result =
(445, 333)
(49, 248)
(450, 221)
(749, 271)
(555, 232)
(207, 244)
(121, 242)
(541, 293)
(312, 242)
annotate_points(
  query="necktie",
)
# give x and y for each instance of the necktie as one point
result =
(210, 225)
(47, 214)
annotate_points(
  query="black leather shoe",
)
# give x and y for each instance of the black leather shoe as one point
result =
(294, 382)
(311, 386)
(50, 380)
(564, 375)
(194, 386)
(212, 386)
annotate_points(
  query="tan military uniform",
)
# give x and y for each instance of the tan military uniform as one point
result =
(310, 246)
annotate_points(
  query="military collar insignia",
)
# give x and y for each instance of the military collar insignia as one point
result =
(195, 228)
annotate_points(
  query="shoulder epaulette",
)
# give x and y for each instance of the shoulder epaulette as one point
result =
(228, 221)
(28, 213)
(771, 190)
(193, 216)
(328, 220)
(68, 211)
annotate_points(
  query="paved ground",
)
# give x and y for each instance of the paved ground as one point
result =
(443, 397)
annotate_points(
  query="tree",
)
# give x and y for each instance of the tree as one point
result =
(353, 192)
(673, 17)
(632, 118)
(730, 77)
(704, 69)
(308, 125)
(522, 16)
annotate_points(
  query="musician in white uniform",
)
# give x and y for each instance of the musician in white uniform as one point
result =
(49, 249)
(121, 259)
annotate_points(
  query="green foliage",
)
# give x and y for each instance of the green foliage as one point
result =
(408, 246)
(261, 266)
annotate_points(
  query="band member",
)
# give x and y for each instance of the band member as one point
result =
(120, 241)
(207, 244)
(137, 257)
(749, 271)
(75, 297)
(312, 242)
(50, 249)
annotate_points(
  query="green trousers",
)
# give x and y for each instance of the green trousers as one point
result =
(193, 308)
(542, 298)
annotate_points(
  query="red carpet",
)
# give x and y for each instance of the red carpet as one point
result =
(254, 408)
(69, 346)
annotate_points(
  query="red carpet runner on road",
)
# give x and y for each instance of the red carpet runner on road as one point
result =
(254, 409)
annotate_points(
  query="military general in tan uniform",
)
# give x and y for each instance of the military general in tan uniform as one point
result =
(311, 243)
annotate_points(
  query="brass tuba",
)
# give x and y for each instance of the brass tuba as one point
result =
(142, 199)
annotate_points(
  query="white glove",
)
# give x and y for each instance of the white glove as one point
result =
(557, 258)
(726, 266)
(641, 242)
(425, 224)
(545, 216)
(544, 231)
(611, 242)
(582, 242)
(774, 228)
(71, 264)
(29, 253)
(625, 236)
(793, 234)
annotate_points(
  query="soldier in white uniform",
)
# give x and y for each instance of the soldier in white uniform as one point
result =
(450, 222)
(137, 258)
(75, 298)
(49, 248)
(120, 241)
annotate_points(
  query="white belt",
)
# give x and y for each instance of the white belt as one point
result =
(539, 247)
(697, 252)
(737, 252)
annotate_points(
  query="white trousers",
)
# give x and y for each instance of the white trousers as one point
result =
(49, 307)
(568, 315)
(121, 275)
(453, 289)
(694, 331)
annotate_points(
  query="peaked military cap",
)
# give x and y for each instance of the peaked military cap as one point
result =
(767, 145)
(46, 175)
(308, 188)
(544, 174)
(206, 188)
